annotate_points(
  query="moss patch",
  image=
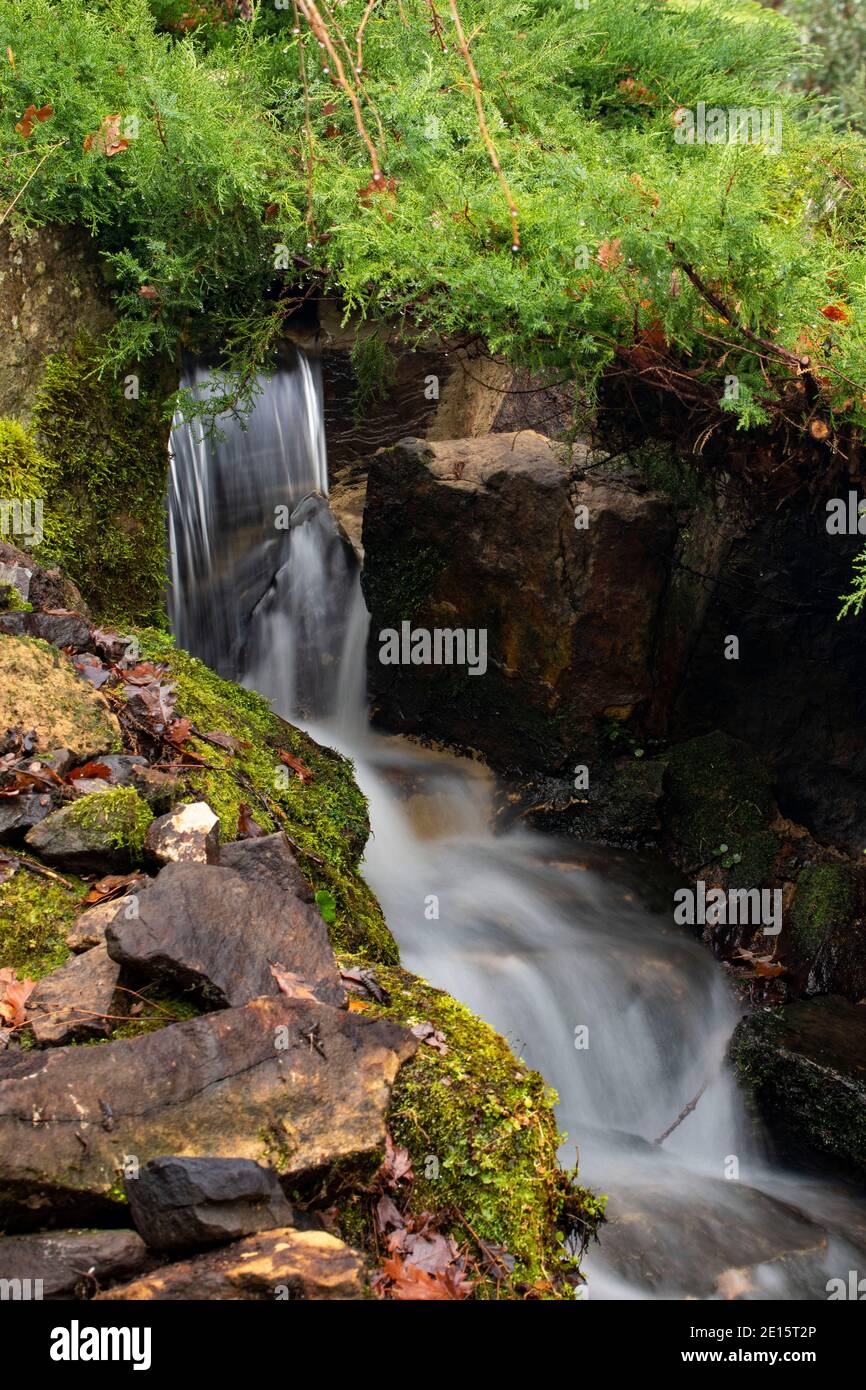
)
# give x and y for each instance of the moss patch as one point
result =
(97, 460)
(118, 819)
(326, 818)
(35, 916)
(719, 794)
(826, 897)
(481, 1133)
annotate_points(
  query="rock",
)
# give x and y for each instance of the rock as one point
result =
(40, 690)
(17, 577)
(66, 1005)
(88, 930)
(210, 929)
(48, 588)
(267, 857)
(123, 768)
(103, 832)
(73, 1264)
(543, 591)
(61, 627)
(827, 936)
(12, 624)
(187, 835)
(296, 1085)
(805, 1066)
(283, 1264)
(179, 1203)
(19, 813)
(619, 807)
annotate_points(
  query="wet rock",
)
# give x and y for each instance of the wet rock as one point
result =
(179, 1203)
(73, 1264)
(103, 832)
(267, 857)
(40, 690)
(88, 930)
(188, 834)
(619, 807)
(12, 624)
(542, 590)
(17, 577)
(826, 936)
(19, 813)
(296, 1085)
(805, 1066)
(282, 1264)
(210, 929)
(62, 628)
(679, 1236)
(67, 1005)
(48, 587)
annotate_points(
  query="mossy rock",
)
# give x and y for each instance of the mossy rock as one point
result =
(102, 830)
(40, 689)
(482, 1136)
(325, 818)
(98, 462)
(804, 1068)
(826, 899)
(719, 794)
(35, 915)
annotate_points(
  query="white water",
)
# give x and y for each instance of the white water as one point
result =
(541, 937)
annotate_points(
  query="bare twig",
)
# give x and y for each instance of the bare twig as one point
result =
(29, 179)
(322, 35)
(687, 1110)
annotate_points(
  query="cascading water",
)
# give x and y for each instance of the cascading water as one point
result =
(563, 948)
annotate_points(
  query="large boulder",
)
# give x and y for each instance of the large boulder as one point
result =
(208, 928)
(281, 1264)
(179, 1203)
(489, 534)
(40, 690)
(291, 1083)
(805, 1066)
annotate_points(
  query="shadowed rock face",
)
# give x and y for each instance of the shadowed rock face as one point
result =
(282, 1264)
(74, 1264)
(480, 534)
(181, 1203)
(296, 1085)
(209, 928)
(77, 1001)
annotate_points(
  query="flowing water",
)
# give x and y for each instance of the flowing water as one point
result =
(569, 950)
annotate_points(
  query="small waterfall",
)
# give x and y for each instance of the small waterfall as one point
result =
(568, 950)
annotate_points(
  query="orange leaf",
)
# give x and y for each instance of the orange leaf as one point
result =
(305, 774)
(609, 255)
(25, 125)
(107, 139)
(837, 312)
(13, 996)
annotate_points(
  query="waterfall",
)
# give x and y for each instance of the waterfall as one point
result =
(569, 950)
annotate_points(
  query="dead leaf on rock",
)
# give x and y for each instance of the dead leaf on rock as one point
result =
(290, 984)
(13, 996)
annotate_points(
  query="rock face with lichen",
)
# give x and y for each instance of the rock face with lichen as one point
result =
(565, 575)
(40, 690)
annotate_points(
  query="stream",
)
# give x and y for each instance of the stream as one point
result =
(569, 950)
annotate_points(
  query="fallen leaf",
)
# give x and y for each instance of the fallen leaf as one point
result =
(397, 1165)
(609, 255)
(431, 1036)
(13, 996)
(365, 981)
(107, 139)
(111, 886)
(248, 829)
(227, 741)
(837, 312)
(296, 765)
(31, 115)
(291, 984)
(90, 770)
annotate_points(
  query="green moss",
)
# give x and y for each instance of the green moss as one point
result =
(481, 1133)
(325, 818)
(718, 793)
(826, 897)
(35, 915)
(98, 462)
(118, 818)
(159, 1006)
(12, 602)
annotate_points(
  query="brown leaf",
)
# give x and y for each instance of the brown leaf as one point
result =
(31, 115)
(838, 313)
(397, 1165)
(609, 255)
(248, 829)
(234, 745)
(411, 1283)
(305, 774)
(291, 984)
(179, 731)
(107, 139)
(148, 292)
(13, 996)
(112, 886)
(431, 1036)
(90, 770)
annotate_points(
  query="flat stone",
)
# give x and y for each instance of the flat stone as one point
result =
(87, 837)
(178, 1203)
(88, 929)
(296, 1085)
(267, 857)
(283, 1264)
(189, 834)
(211, 929)
(40, 690)
(19, 813)
(73, 1264)
(66, 1005)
